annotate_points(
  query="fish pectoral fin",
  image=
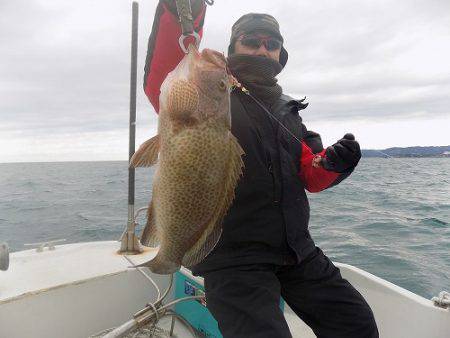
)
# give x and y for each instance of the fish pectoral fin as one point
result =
(150, 236)
(147, 154)
(212, 232)
(183, 100)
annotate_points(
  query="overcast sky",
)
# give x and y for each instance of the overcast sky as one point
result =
(377, 68)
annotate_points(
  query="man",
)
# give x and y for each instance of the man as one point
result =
(265, 250)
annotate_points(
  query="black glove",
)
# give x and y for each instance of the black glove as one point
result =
(342, 156)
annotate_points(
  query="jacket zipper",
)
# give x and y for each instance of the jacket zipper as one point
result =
(274, 190)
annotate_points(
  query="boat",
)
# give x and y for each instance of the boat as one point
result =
(86, 289)
(95, 289)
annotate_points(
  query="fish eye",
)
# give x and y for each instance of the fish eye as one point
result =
(222, 84)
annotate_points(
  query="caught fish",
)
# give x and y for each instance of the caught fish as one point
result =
(198, 162)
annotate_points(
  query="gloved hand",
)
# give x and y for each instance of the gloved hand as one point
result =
(343, 155)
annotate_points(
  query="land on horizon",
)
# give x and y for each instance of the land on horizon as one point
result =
(438, 151)
(396, 152)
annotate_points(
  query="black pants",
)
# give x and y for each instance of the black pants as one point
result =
(245, 300)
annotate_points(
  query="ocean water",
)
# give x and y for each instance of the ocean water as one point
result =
(391, 217)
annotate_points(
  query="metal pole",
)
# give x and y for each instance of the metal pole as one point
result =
(4, 256)
(133, 82)
(129, 242)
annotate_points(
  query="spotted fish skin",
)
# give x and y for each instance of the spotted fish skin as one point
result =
(198, 166)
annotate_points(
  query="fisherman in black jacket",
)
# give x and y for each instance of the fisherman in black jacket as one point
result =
(266, 251)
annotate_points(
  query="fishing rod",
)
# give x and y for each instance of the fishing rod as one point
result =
(318, 161)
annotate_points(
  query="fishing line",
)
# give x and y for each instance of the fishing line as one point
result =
(246, 91)
(237, 84)
(273, 117)
(378, 151)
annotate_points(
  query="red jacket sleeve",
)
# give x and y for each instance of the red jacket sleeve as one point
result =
(315, 179)
(164, 52)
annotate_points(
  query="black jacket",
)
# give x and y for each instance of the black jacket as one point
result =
(268, 221)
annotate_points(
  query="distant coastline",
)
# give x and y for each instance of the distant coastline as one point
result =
(442, 151)
(394, 152)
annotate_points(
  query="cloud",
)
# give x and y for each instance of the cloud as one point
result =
(65, 65)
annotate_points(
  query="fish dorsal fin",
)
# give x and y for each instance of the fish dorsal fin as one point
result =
(150, 234)
(212, 233)
(147, 154)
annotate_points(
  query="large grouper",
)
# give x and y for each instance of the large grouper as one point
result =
(198, 162)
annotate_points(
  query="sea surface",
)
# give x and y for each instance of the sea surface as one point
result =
(391, 217)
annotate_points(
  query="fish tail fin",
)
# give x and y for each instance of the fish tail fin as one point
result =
(161, 266)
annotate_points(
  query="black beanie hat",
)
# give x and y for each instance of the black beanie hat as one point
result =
(256, 22)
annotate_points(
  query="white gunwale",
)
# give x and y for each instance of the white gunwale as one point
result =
(92, 278)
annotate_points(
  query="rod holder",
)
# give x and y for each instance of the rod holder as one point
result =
(129, 243)
(4, 256)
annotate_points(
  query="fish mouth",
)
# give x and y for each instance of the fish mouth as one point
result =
(214, 57)
(209, 56)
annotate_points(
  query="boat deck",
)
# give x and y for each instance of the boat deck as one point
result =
(94, 282)
(31, 271)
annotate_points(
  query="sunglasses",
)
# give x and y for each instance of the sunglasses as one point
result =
(255, 42)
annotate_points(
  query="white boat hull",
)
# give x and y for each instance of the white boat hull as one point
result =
(80, 289)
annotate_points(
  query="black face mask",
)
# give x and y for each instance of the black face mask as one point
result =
(258, 75)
